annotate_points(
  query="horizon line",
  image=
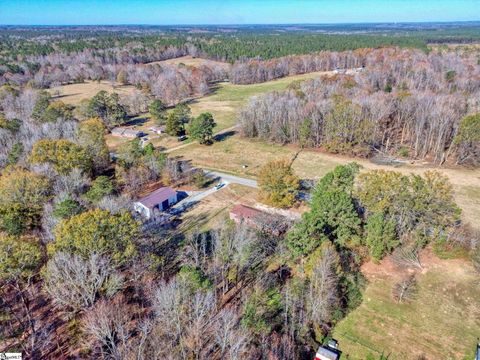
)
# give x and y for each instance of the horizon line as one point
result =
(263, 24)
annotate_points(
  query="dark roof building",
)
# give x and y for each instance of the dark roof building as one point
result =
(160, 199)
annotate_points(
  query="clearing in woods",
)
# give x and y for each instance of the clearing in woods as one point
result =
(224, 102)
(73, 94)
(190, 61)
(441, 323)
(227, 99)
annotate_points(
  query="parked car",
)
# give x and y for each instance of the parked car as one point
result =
(219, 186)
(182, 138)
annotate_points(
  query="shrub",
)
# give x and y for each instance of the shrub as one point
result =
(101, 186)
(67, 207)
(279, 185)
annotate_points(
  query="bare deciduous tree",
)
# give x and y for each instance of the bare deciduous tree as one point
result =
(322, 298)
(183, 319)
(107, 324)
(76, 283)
(405, 290)
(231, 338)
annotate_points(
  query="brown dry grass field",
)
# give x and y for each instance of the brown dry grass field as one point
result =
(74, 93)
(213, 209)
(190, 61)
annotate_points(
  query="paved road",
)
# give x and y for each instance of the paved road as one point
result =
(305, 196)
(223, 177)
(227, 178)
(192, 199)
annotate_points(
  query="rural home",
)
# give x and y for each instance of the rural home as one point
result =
(328, 352)
(159, 200)
(126, 132)
(260, 220)
(159, 130)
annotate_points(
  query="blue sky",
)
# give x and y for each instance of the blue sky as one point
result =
(164, 12)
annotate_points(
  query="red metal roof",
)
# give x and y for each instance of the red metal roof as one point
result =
(246, 211)
(157, 197)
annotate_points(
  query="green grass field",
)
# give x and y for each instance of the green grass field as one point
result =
(443, 322)
(227, 99)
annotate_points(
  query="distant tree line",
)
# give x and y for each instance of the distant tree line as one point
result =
(24, 55)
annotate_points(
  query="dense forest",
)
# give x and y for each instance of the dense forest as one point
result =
(26, 51)
(403, 102)
(231, 43)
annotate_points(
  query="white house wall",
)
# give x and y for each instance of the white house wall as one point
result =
(139, 207)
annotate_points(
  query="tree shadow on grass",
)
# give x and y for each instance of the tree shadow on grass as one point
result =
(224, 136)
(136, 121)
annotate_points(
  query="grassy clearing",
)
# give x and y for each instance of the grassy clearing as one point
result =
(224, 102)
(190, 61)
(442, 323)
(74, 93)
(233, 152)
(227, 99)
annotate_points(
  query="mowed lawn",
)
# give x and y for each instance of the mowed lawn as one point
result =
(443, 322)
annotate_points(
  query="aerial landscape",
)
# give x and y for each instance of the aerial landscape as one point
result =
(266, 180)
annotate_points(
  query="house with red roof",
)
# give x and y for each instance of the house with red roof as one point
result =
(258, 219)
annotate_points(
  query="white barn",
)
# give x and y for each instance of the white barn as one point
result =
(161, 199)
